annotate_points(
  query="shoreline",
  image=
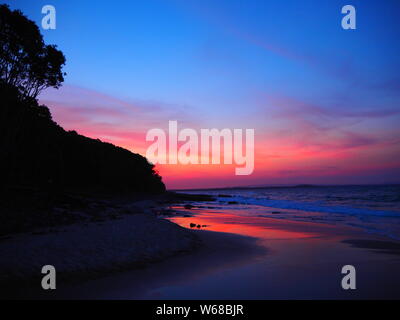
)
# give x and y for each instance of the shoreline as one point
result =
(95, 236)
(88, 251)
(225, 262)
(217, 252)
(134, 254)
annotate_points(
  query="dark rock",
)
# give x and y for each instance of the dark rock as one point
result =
(190, 197)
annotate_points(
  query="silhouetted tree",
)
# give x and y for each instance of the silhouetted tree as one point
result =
(26, 62)
(34, 150)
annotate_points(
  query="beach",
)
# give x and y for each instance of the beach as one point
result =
(210, 150)
(210, 250)
(87, 237)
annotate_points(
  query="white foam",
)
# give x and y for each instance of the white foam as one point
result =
(310, 206)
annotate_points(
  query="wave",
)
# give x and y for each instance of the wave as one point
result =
(309, 206)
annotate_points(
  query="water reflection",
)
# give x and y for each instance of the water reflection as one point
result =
(258, 227)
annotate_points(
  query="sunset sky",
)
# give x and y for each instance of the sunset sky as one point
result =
(324, 102)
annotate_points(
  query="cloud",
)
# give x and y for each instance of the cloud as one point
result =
(286, 106)
(111, 119)
(296, 132)
(299, 139)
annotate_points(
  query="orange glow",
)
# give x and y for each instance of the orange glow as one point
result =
(264, 228)
(291, 147)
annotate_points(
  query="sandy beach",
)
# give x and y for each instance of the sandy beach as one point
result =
(203, 253)
(98, 238)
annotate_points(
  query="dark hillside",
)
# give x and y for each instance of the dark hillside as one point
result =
(37, 152)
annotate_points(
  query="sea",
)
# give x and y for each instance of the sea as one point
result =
(374, 208)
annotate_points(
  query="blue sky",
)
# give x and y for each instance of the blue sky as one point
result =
(230, 63)
(183, 51)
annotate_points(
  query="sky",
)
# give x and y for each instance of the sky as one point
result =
(324, 102)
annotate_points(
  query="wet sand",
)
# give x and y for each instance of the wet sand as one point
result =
(217, 253)
(257, 258)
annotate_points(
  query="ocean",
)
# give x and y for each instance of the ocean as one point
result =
(374, 208)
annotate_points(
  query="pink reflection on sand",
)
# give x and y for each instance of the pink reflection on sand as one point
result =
(258, 227)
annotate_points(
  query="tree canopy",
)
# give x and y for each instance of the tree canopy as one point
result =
(26, 62)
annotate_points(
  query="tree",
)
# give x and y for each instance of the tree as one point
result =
(26, 62)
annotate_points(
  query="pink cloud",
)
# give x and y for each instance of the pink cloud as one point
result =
(298, 140)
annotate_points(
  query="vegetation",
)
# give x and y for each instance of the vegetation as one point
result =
(25, 61)
(36, 151)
